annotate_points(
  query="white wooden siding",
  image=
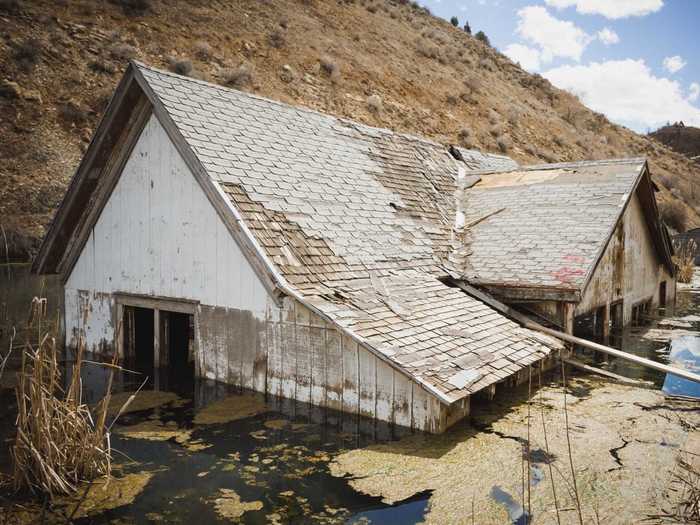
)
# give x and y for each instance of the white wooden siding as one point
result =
(637, 276)
(159, 235)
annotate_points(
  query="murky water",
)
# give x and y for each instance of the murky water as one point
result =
(669, 342)
(212, 454)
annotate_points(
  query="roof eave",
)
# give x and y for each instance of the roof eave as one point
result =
(528, 291)
(53, 246)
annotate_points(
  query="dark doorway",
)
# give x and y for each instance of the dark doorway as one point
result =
(179, 327)
(590, 325)
(616, 317)
(138, 338)
(662, 294)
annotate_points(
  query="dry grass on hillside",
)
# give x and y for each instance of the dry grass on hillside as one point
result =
(386, 63)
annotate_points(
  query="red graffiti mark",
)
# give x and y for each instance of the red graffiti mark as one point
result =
(574, 259)
(566, 274)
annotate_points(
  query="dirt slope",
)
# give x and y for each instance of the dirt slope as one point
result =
(384, 63)
(680, 138)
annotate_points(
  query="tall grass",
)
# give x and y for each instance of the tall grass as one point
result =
(60, 442)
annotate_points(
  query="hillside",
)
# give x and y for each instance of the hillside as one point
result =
(385, 63)
(680, 138)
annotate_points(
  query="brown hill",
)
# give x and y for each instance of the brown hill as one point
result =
(385, 63)
(680, 138)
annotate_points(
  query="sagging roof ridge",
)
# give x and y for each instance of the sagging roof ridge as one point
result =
(566, 165)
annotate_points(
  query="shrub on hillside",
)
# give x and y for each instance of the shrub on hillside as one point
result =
(180, 66)
(238, 77)
(374, 103)
(503, 143)
(674, 215)
(330, 67)
(277, 39)
(72, 114)
(481, 36)
(454, 21)
(27, 53)
(122, 51)
(133, 7)
(465, 137)
(101, 66)
(427, 49)
(202, 50)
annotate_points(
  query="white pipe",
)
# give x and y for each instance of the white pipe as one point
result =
(685, 374)
(529, 323)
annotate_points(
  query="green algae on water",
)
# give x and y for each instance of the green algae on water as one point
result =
(229, 505)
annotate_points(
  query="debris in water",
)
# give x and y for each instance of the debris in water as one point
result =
(684, 354)
(154, 431)
(276, 424)
(230, 506)
(109, 494)
(145, 400)
(231, 408)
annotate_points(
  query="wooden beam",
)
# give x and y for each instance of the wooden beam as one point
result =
(610, 375)
(529, 323)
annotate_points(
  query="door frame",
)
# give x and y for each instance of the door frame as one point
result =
(156, 303)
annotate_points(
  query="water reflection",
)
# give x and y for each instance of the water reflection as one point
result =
(685, 353)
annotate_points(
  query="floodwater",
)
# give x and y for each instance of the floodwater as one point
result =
(210, 453)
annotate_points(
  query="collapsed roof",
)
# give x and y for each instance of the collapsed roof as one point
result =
(358, 223)
(548, 225)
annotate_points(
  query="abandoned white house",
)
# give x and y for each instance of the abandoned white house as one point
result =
(314, 258)
(578, 244)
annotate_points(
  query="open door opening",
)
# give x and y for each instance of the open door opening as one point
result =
(139, 338)
(179, 340)
(591, 325)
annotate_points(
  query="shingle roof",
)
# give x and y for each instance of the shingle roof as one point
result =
(476, 160)
(358, 220)
(549, 223)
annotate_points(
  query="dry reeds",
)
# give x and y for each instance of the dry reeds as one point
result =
(59, 443)
(685, 260)
(685, 483)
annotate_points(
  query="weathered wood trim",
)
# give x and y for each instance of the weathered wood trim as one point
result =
(105, 186)
(52, 248)
(183, 306)
(528, 292)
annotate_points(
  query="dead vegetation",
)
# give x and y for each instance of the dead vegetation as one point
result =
(60, 442)
(424, 62)
(239, 77)
(685, 487)
(685, 260)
